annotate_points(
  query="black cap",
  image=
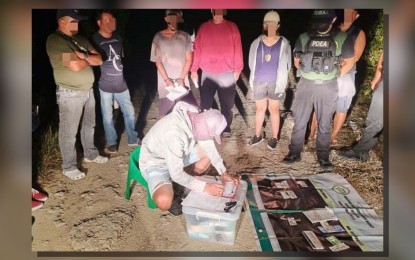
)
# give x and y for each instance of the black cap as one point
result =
(324, 14)
(70, 12)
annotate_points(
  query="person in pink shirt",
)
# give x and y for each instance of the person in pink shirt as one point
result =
(218, 53)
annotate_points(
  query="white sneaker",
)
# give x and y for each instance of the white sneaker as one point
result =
(99, 159)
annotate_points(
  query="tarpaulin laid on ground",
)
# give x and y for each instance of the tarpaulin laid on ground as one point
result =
(311, 213)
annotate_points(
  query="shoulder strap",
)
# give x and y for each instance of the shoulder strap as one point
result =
(72, 42)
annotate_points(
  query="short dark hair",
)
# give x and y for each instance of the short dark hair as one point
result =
(99, 14)
(174, 12)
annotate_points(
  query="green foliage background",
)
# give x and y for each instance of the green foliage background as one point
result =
(374, 46)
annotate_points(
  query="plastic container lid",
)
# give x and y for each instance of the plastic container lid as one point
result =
(234, 212)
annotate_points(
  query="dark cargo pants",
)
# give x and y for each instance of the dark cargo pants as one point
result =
(322, 95)
(374, 122)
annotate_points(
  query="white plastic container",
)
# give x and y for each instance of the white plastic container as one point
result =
(215, 226)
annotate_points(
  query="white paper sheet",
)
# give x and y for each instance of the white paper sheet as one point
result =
(319, 215)
(205, 201)
(176, 92)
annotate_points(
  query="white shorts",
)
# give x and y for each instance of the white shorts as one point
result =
(158, 175)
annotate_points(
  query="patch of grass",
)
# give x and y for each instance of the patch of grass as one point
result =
(49, 153)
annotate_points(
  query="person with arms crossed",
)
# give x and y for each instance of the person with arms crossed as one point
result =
(71, 56)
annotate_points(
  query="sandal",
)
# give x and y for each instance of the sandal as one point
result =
(74, 174)
(99, 159)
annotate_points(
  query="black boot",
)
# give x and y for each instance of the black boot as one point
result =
(354, 155)
(291, 158)
(326, 164)
(176, 206)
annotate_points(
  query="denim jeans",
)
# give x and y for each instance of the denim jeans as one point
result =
(124, 101)
(76, 107)
(323, 96)
(225, 85)
(374, 122)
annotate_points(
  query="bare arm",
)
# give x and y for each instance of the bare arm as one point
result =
(80, 60)
(94, 58)
(74, 63)
(347, 65)
(359, 45)
(163, 73)
(186, 67)
(378, 73)
(297, 62)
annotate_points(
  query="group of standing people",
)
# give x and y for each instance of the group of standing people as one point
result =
(324, 57)
(72, 57)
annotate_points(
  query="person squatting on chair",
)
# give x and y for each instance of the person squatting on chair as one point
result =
(182, 138)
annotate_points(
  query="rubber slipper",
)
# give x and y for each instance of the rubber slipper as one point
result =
(74, 175)
(99, 159)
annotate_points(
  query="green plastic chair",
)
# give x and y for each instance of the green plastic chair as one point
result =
(134, 173)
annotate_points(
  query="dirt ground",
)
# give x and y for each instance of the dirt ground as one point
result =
(92, 214)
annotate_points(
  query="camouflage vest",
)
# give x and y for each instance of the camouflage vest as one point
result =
(320, 58)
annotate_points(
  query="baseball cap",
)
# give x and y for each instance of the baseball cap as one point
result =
(323, 14)
(70, 12)
(272, 17)
(215, 122)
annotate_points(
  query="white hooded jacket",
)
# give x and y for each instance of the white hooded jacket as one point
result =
(170, 140)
